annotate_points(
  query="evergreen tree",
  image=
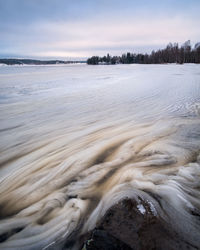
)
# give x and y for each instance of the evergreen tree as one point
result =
(171, 54)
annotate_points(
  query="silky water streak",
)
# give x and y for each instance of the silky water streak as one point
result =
(75, 140)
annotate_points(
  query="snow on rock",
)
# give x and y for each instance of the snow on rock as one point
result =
(141, 208)
(152, 208)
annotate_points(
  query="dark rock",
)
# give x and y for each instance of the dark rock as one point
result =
(100, 239)
(125, 227)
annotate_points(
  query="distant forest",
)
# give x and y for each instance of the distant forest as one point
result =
(35, 62)
(171, 54)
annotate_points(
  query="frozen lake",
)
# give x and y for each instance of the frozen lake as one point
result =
(75, 139)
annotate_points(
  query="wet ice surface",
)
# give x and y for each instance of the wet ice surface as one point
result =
(76, 139)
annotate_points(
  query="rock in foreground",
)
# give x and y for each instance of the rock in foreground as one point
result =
(128, 225)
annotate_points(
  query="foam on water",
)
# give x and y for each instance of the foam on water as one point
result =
(76, 140)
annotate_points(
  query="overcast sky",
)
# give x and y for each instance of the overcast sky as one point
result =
(82, 28)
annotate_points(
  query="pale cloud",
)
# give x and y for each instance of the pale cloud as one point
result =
(99, 36)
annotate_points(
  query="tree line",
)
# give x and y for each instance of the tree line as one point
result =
(13, 61)
(171, 54)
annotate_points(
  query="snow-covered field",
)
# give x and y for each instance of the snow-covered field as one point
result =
(75, 139)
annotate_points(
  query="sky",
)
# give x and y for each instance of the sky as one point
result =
(70, 29)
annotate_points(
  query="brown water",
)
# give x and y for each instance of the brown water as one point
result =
(77, 139)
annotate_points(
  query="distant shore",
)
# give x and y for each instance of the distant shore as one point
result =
(173, 53)
(14, 61)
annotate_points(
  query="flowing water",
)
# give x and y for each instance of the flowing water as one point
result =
(76, 139)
